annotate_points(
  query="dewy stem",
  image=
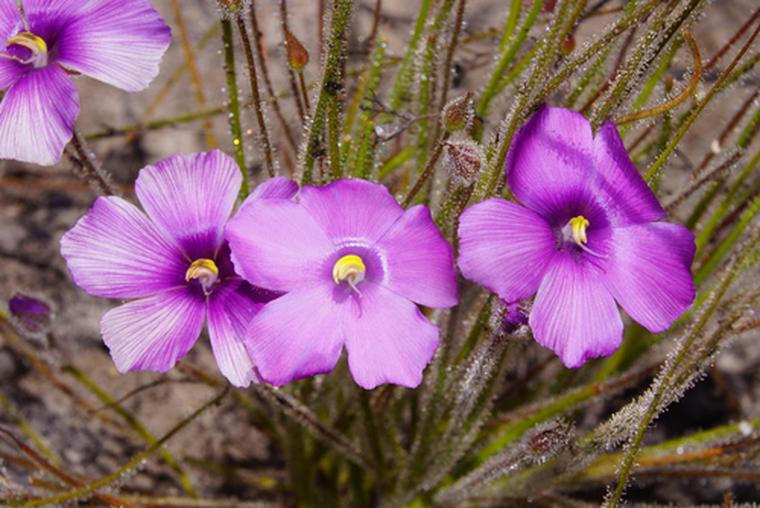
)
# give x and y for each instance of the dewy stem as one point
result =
(234, 103)
(267, 80)
(657, 165)
(331, 86)
(92, 171)
(255, 97)
(731, 272)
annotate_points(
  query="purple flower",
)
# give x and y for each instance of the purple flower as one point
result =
(119, 42)
(586, 237)
(353, 265)
(172, 264)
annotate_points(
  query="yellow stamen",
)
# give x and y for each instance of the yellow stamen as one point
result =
(578, 225)
(351, 269)
(205, 270)
(33, 43)
(575, 231)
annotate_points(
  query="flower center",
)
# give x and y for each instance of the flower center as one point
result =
(35, 44)
(205, 271)
(349, 269)
(575, 231)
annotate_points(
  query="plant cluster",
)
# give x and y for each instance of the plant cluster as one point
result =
(418, 294)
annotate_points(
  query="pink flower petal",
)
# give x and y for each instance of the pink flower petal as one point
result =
(230, 310)
(154, 332)
(119, 42)
(347, 209)
(297, 335)
(276, 244)
(618, 185)
(10, 72)
(649, 272)
(114, 251)
(505, 247)
(388, 340)
(419, 260)
(551, 162)
(277, 187)
(37, 116)
(190, 197)
(574, 314)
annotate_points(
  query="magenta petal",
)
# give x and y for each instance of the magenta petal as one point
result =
(649, 272)
(388, 340)
(37, 116)
(348, 209)
(10, 72)
(119, 42)
(551, 161)
(276, 245)
(114, 251)
(153, 333)
(574, 314)
(297, 335)
(9, 16)
(505, 248)
(617, 183)
(190, 197)
(419, 260)
(277, 187)
(230, 310)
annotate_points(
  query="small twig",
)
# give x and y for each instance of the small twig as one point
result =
(91, 170)
(723, 50)
(428, 170)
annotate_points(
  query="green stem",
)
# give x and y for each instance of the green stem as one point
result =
(675, 140)
(234, 103)
(510, 46)
(328, 102)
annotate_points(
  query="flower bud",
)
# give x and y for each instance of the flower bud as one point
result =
(31, 315)
(463, 160)
(298, 56)
(457, 114)
(231, 8)
(568, 46)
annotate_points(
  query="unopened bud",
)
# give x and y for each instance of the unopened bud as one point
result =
(31, 315)
(548, 439)
(463, 160)
(231, 8)
(549, 5)
(298, 56)
(458, 113)
(568, 46)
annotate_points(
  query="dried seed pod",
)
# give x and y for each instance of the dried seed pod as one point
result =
(463, 161)
(298, 56)
(458, 113)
